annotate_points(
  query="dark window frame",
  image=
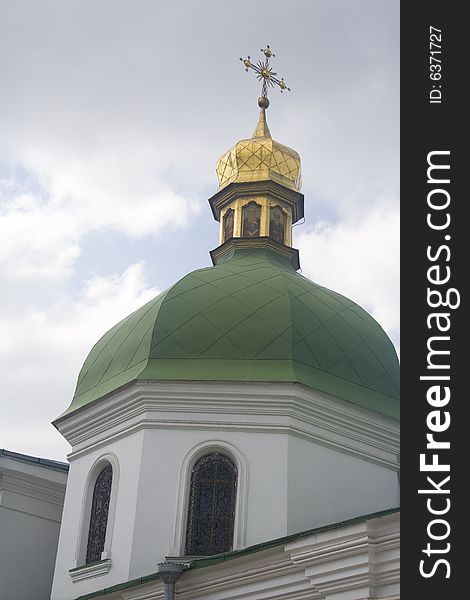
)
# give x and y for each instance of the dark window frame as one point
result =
(211, 507)
(99, 513)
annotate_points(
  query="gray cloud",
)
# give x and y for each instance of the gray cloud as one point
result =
(113, 114)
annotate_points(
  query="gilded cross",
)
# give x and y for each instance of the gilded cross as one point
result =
(265, 73)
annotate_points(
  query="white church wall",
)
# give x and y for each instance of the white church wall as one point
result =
(145, 519)
(327, 486)
(74, 531)
(304, 460)
(160, 527)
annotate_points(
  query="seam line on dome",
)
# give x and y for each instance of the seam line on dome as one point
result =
(174, 340)
(241, 322)
(129, 363)
(336, 312)
(95, 391)
(117, 328)
(386, 370)
(251, 284)
(349, 382)
(225, 332)
(346, 354)
(353, 307)
(365, 342)
(302, 339)
(158, 300)
(340, 315)
(333, 295)
(317, 295)
(389, 377)
(232, 272)
(198, 312)
(254, 282)
(279, 335)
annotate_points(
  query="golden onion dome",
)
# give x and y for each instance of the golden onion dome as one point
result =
(260, 158)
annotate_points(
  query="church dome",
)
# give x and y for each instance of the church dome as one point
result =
(249, 318)
(260, 158)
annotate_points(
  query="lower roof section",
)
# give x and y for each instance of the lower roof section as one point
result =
(46, 463)
(381, 524)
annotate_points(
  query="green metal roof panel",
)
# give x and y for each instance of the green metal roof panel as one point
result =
(249, 318)
(119, 356)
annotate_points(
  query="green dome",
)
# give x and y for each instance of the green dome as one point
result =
(250, 318)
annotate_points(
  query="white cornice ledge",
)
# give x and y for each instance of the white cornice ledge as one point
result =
(94, 570)
(364, 557)
(248, 407)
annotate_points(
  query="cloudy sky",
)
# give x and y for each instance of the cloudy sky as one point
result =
(112, 116)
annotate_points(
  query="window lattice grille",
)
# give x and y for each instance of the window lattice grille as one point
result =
(211, 510)
(99, 515)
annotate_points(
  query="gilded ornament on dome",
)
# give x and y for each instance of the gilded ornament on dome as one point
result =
(265, 74)
(260, 158)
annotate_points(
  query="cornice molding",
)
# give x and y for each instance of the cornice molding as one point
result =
(31, 487)
(227, 406)
(244, 243)
(32, 495)
(364, 557)
(94, 570)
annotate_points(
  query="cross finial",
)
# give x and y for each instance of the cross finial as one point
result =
(265, 73)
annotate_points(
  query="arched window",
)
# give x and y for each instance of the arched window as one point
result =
(99, 515)
(211, 511)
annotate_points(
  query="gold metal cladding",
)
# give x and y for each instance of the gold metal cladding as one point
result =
(260, 158)
(262, 129)
(265, 74)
